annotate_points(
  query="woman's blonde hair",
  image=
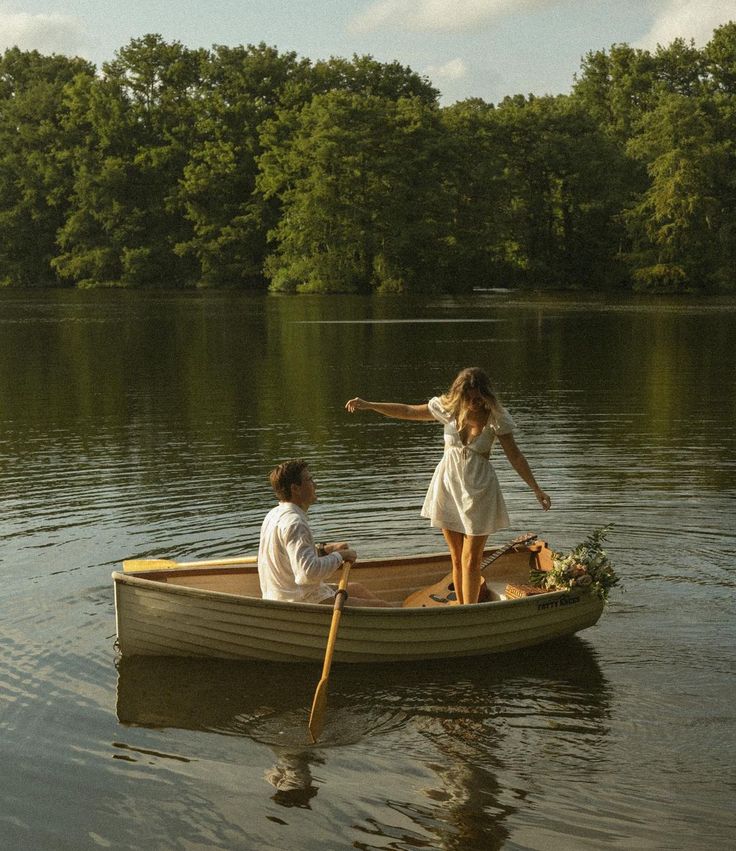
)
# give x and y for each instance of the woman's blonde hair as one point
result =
(455, 401)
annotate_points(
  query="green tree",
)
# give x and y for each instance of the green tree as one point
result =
(360, 182)
(679, 67)
(360, 75)
(720, 59)
(683, 227)
(35, 168)
(175, 167)
(241, 88)
(479, 194)
(138, 124)
(617, 87)
(565, 182)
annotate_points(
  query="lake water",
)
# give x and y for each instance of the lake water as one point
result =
(145, 425)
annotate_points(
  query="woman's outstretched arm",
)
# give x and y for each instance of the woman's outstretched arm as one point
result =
(390, 409)
(521, 465)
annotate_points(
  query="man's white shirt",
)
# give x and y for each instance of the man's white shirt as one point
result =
(288, 565)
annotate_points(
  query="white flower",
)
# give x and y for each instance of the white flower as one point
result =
(586, 566)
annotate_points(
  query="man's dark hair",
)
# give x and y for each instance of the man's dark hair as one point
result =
(284, 476)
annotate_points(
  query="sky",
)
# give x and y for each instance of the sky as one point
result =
(467, 48)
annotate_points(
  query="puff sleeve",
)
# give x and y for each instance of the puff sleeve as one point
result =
(502, 422)
(438, 412)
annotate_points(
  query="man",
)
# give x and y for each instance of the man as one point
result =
(291, 566)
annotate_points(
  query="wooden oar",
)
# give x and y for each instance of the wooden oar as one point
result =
(135, 564)
(319, 704)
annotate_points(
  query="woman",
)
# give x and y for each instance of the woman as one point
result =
(464, 498)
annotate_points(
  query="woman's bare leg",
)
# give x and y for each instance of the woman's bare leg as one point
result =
(455, 543)
(471, 561)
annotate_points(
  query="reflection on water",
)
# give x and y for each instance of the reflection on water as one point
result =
(472, 716)
(291, 777)
(220, 696)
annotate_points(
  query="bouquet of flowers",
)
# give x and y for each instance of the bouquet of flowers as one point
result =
(586, 566)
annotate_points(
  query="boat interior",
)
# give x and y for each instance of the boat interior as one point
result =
(404, 581)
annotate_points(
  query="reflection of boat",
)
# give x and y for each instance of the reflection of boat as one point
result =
(216, 611)
(462, 718)
(213, 695)
(236, 698)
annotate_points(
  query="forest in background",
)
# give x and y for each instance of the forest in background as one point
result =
(246, 167)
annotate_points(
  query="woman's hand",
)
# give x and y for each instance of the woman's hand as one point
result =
(543, 498)
(356, 404)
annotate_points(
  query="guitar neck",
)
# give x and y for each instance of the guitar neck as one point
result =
(488, 561)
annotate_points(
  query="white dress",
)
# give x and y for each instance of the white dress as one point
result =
(464, 494)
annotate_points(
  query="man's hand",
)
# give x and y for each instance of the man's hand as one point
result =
(347, 554)
(331, 548)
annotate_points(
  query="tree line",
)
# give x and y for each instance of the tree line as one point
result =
(248, 167)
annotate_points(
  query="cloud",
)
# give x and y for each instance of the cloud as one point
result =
(437, 15)
(51, 33)
(685, 19)
(455, 69)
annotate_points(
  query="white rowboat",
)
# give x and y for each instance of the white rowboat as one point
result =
(217, 611)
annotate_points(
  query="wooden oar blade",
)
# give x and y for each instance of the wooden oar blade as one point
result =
(133, 565)
(319, 704)
(319, 710)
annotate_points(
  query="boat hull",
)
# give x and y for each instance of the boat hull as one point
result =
(170, 618)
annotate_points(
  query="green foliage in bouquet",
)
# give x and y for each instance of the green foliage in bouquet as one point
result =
(586, 566)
